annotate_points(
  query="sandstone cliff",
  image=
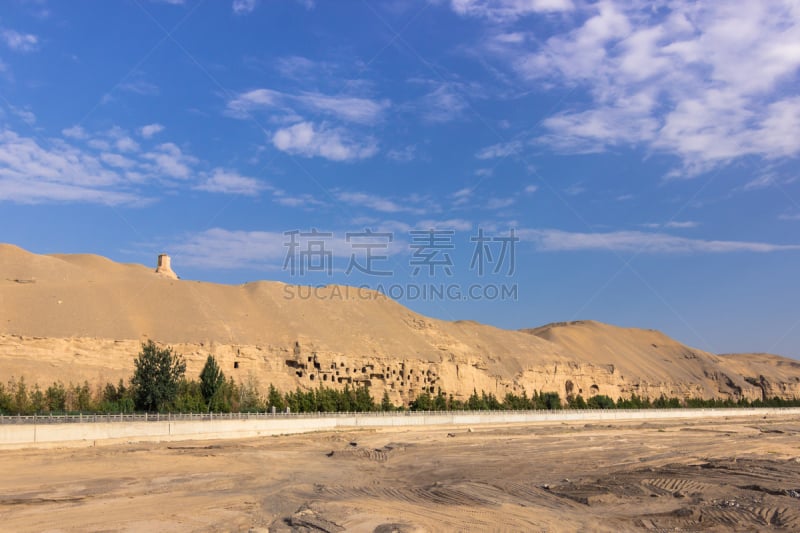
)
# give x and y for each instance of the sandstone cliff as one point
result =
(76, 317)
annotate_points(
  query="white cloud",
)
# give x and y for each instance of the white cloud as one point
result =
(139, 86)
(505, 10)
(789, 216)
(241, 105)
(243, 7)
(402, 155)
(116, 160)
(444, 103)
(31, 173)
(310, 140)
(99, 144)
(57, 171)
(530, 189)
(455, 224)
(503, 149)
(379, 203)
(168, 160)
(221, 248)
(552, 240)
(227, 249)
(703, 81)
(19, 42)
(462, 196)
(500, 203)
(26, 115)
(126, 144)
(673, 224)
(681, 224)
(349, 108)
(295, 200)
(575, 189)
(150, 130)
(360, 110)
(229, 182)
(74, 132)
(767, 179)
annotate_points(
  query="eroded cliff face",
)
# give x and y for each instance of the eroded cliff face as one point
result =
(45, 360)
(83, 317)
(771, 374)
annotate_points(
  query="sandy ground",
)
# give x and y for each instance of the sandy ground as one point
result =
(723, 475)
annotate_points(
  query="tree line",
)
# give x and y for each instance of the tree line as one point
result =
(159, 384)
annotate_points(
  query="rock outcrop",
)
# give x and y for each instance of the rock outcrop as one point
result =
(85, 316)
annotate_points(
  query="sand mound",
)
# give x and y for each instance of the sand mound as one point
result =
(77, 316)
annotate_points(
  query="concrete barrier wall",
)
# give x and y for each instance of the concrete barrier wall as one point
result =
(91, 433)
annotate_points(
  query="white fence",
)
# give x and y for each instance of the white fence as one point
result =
(88, 430)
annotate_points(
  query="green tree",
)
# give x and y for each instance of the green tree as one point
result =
(212, 379)
(55, 397)
(275, 399)
(37, 399)
(156, 377)
(189, 398)
(19, 390)
(423, 402)
(440, 402)
(250, 399)
(550, 400)
(475, 402)
(601, 401)
(364, 402)
(577, 402)
(386, 402)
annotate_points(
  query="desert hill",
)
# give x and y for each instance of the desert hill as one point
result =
(76, 317)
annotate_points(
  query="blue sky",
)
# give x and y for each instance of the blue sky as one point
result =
(645, 154)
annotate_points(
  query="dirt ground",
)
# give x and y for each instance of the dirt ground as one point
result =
(722, 475)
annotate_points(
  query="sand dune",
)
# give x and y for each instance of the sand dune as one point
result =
(76, 317)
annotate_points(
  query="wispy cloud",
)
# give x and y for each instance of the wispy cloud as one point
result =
(243, 7)
(19, 42)
(672, 224)
(404, 154)
(575, 189)
(26, 115)
(444, 103)
(117, 160)
(462, 196)
(500, 203)
(31, 173)
(169, 160)
(74, 132)
(508, 10)
(139, 86)
(552, 240)
(500, 150)
(150, 130)
(221, 248)
(382, 204)
(355, 109)
(677, 80)
(320, 140)
(230, 182)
